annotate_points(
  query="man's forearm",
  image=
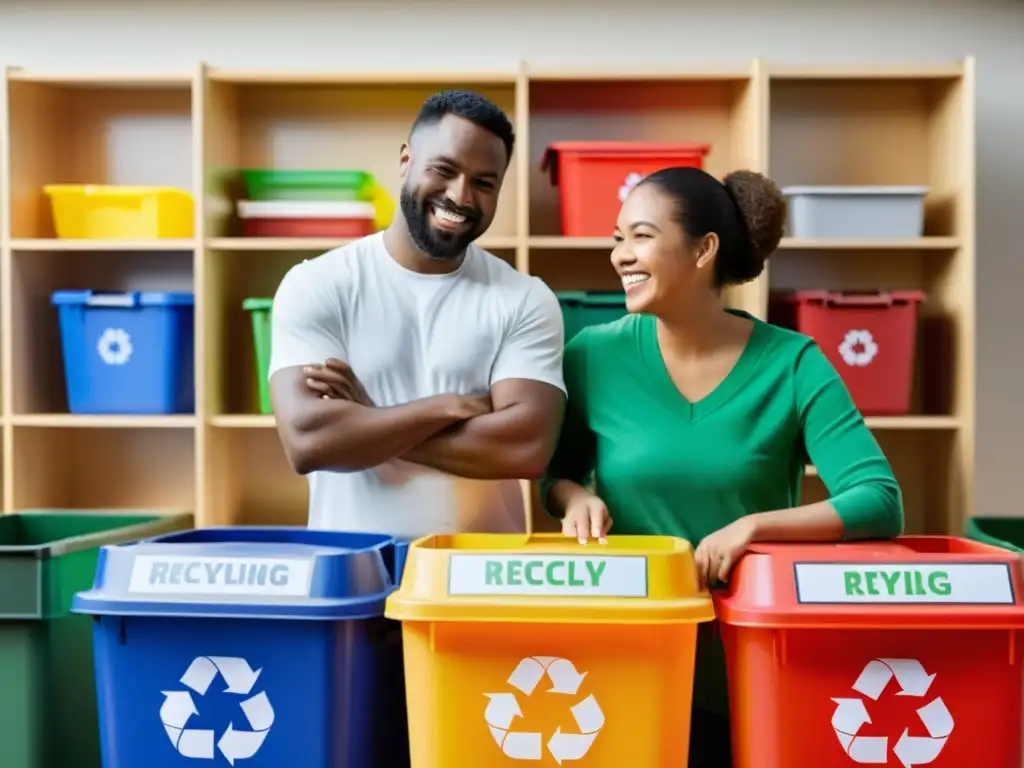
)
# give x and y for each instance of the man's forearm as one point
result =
(503, 444)
(344, 436)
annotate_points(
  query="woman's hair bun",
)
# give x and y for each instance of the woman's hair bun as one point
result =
(763, 209)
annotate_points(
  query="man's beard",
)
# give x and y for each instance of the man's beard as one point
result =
(438, 245)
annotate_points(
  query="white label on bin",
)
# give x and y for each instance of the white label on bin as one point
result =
(550, 575)
(903, 583)
(185, 575)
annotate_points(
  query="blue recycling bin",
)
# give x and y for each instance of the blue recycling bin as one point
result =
(249, 646)
(127, 353)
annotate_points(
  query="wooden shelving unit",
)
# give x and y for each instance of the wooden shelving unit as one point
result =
(852, 125)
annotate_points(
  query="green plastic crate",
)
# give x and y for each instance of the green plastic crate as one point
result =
(1004, 532)
(584, 308)
(259, 311)
(266, 184)
(48, 716)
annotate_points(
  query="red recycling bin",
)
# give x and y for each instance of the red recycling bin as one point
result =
(594, 177)
(899, 653)
(870, 338)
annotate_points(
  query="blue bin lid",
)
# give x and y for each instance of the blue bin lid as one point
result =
(247, 572)
(124, 299)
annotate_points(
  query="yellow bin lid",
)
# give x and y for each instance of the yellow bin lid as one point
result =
(550, 578)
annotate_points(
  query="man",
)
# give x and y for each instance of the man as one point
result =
(444, 385)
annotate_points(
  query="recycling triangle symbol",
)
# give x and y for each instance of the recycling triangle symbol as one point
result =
(851, 714)
(503, 709)
(179, 707)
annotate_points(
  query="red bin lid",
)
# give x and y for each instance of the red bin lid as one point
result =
(616, 149)
(856, 298)
(913, 582)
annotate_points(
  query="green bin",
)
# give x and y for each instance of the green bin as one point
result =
(1005, 532)
(48, 716)
(266, 184)
(259, 310)
(583, 308)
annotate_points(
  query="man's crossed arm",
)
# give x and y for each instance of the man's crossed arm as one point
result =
(327, 422)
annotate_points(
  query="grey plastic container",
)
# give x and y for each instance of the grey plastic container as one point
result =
(891, 213)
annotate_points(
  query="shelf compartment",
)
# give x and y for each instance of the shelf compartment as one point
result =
(938, 373)
(719, 110)
(288, 123)
(38, 375)
(79, 131)
(249, 480)
(94, 468)
(232, 277)
(862, 130)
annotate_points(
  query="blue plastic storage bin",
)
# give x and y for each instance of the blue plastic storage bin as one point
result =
(261, 647)
(127, 352)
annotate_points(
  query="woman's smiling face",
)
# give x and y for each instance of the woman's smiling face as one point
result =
(659, 265)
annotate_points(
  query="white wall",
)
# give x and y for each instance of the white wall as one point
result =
(155, 34)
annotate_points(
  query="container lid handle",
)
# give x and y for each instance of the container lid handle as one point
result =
(112, 299)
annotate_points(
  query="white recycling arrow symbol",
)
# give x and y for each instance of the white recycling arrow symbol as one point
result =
(179, 707)
(503, 708)
(851, 715)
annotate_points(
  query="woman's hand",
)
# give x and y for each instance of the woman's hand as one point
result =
(718, 552)
(586, 516)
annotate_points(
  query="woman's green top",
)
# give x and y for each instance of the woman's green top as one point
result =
(667, 466)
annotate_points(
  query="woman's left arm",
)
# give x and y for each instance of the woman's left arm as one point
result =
(864, 498)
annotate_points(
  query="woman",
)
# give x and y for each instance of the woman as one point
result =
(694, 420)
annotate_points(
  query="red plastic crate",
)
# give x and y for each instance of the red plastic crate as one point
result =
(870, 338)
(594, 177)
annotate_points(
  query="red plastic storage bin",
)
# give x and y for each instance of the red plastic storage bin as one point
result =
(894, 653)
(299, 218)
(870, 338)
(594, 177)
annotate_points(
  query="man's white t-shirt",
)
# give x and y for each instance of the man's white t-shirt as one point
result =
(409, 336)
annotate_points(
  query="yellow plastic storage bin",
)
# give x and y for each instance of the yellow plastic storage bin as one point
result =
(92, 212)
(544, 650)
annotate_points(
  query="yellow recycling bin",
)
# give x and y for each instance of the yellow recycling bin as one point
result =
(545, 650)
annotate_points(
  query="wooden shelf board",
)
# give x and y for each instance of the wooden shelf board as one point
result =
(268, 244)
(54, 244)
(916, 244)
(559, 243)
(243, 421)
(102, 421)
(102, 79)
(649, 73)
(940, 71)
(367, 77)
(913, 422)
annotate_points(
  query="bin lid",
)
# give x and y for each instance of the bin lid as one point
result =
(616, 149)
(125, 299)
(858, 299)
(305, 209)
(592, 298)
(255, 304)
(913, 582)
(550, 578)
(246, 572)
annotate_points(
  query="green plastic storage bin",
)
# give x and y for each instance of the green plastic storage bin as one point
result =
(1005, 532)
(259, 312)
(308, 185)
(48, 715)
(583, 308)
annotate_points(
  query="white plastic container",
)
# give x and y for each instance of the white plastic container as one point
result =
(890, 213)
